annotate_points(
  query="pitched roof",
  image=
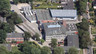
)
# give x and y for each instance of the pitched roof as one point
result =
(63, 13)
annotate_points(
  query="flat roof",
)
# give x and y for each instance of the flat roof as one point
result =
(67, 4)
(63, 13)
(71, 27)
(73, 40)
(29, 13)
(54, 29)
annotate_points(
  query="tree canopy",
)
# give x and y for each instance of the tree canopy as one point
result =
(4, 7)
(84, 38)
(72, 51)
(53, 43)
(2, 36)
(45, 50)
(58, 50)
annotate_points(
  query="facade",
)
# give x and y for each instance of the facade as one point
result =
(18, 37)
(63, 14)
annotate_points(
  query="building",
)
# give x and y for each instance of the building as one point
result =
(18, 37)
(67, 4)
(72, 41)
(54, 30)
(58, 30)
(28, 13)
(62, 14)
(43, 15)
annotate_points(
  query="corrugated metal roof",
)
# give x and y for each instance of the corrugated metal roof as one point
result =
(63, 13)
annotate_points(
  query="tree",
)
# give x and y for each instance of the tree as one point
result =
(36, 37)
(4, 7)
(53, 43)
(29, 48)
(45, 50)
(42, 41)
(6, 27)
(2, 36)
(58, 50)
(3, 50)
(72, 51)
(14, 18)
(27, 36)
(82, 7)
(15, 51)
(15, 1)
(35, 51)
(84, 39)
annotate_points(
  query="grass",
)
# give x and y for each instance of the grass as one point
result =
(93, 30)
(44, 5)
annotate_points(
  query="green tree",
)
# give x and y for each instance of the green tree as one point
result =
(53, 43)
(6, 27)
(36, 37)
(35, 51)
(58, 50)
(29, 48)
(45, 50)
(27, 36)
(82, 7)
(15, 1)
(3, 50)
(14, 18)
(15, 51)
(84, 38)
(4, 7)
(2, 36)
(42, 41)
(72, 51)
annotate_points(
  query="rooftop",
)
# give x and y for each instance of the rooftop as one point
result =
(71, 27)
(54, 29)
(67, 4)
(43, 14)
(29, 13)
(63, 13)
(73, 41)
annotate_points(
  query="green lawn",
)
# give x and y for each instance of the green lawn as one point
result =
(44, 5)
(93, 30)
